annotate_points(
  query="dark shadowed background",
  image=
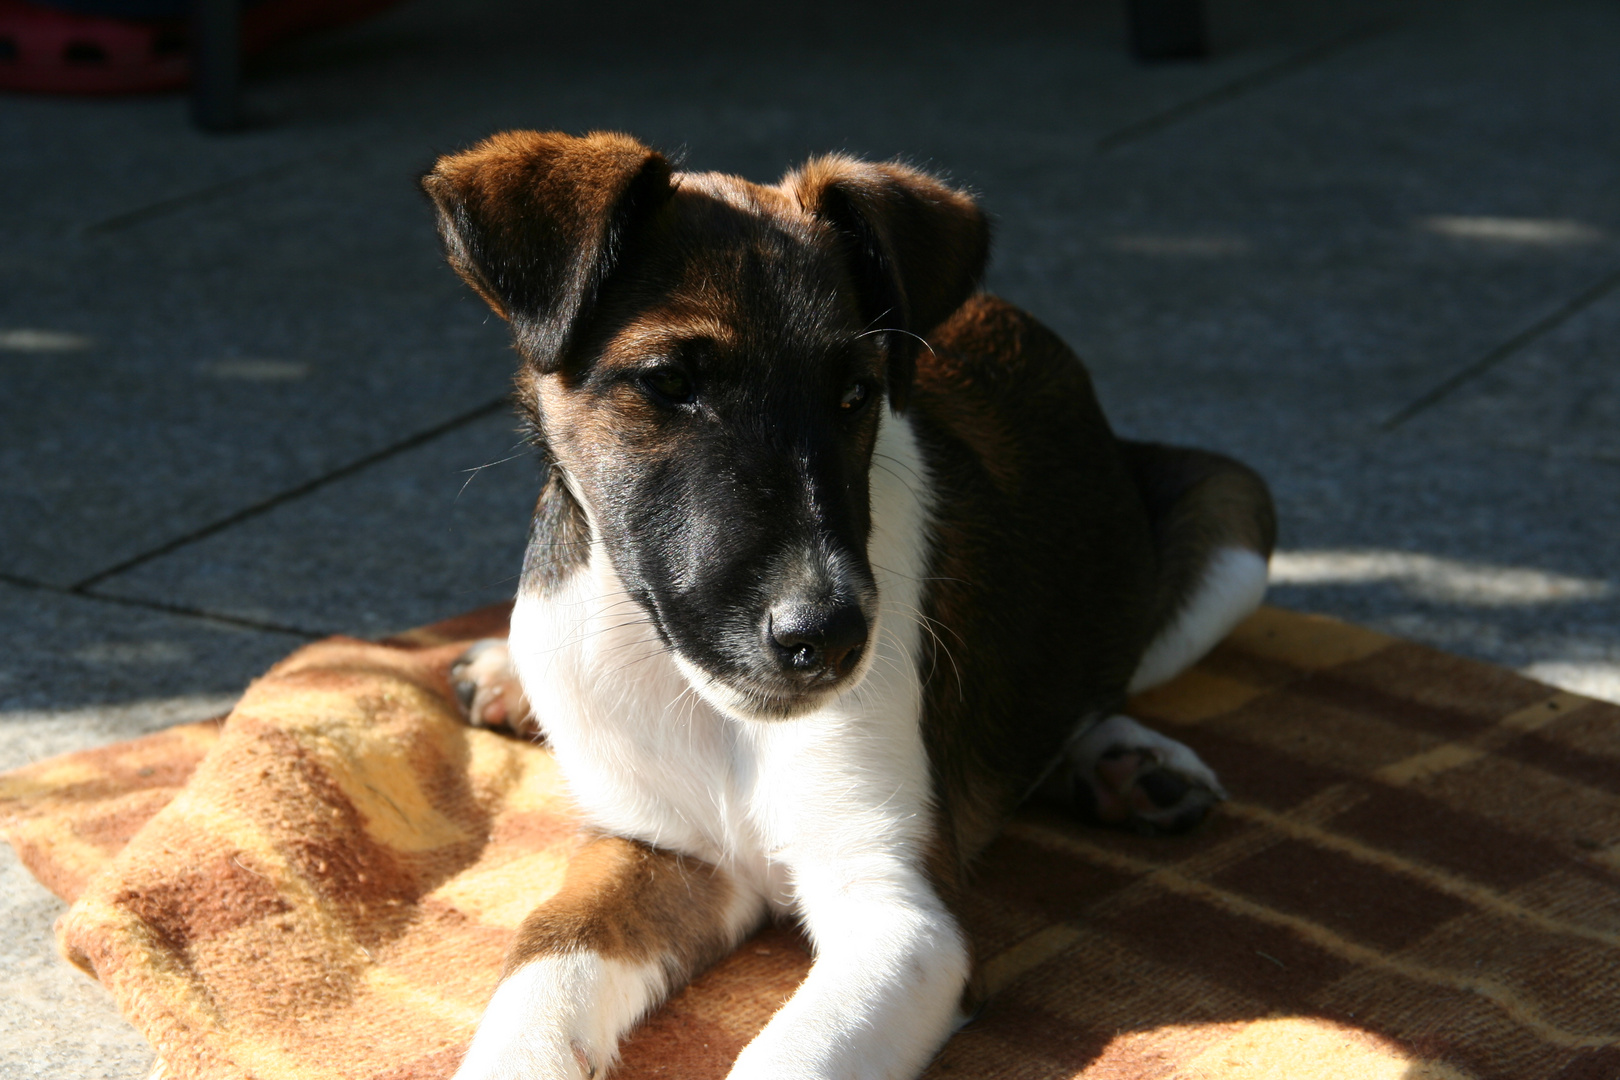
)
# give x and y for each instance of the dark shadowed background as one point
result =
(1371, 248)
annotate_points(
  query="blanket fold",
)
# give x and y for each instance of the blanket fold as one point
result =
(1418, 876)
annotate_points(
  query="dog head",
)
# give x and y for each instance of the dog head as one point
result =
(706, 363)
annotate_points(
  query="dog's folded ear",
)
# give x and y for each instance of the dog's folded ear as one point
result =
(918, 247)
(535, 222)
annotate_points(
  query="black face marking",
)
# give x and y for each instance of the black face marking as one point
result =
(721, 431)
(669, 385)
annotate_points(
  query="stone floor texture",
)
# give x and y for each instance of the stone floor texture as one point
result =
(1371, 248)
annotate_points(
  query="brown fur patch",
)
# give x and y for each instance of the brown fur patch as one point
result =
(625, 900)
(934, 238)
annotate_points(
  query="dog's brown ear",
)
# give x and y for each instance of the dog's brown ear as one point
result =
(536, 221)
(918, 247)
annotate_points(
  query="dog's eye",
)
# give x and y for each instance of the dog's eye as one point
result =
(855, 396)
(670, 385)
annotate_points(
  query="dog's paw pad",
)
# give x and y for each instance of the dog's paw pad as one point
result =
(488, 690)
(1119, 773)
(1133, 788)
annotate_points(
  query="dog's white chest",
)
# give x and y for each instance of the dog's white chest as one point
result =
(643, 754)
(646, 756)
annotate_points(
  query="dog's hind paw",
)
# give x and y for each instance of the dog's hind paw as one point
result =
(488, 690)
(1117, 772)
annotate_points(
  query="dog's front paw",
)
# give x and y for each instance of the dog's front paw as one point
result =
(521, 1062)
(1117, 772)
(488, 690)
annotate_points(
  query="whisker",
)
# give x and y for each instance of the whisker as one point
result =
(897, 330)
(474, 471)
(900, 479)
(923, 623)
(677, 699)
(884, 314)
(890, 457)
(909, 577)
(628, 664)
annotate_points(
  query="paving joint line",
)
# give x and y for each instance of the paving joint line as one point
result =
(1547, 323)
(1243, 84)
(197, 195)
(488, 408)
(171, 609)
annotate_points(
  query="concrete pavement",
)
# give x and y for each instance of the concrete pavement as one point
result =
(1373, 249)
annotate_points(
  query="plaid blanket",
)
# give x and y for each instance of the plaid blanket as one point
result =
(1418, 877)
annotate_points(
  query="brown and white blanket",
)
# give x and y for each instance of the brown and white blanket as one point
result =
(1418, 877)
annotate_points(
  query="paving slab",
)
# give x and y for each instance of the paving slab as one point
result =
(1558, 396)
(741, 84)
(61, 652)
(56, 1021)
(232, 317)
(222, 359)
(1313, 256)
(1535, 444)
(423, 535)
(1498, 554)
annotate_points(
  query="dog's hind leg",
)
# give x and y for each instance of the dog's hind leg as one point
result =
(630, 924)
(1214, 528)
(1213, 531)
(1116, 771)
(487, 688)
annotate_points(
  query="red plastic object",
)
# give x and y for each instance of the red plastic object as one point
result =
(64, 52)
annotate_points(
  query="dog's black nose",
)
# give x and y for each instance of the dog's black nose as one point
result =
(809, 638)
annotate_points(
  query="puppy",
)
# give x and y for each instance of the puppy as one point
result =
(837, 562)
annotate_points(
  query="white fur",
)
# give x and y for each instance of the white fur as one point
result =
(1088, 746)
(825, 816)
(556, 1009)
(1234, 584)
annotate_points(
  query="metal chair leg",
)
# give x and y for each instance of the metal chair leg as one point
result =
(1167, 29)
(216, 64)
